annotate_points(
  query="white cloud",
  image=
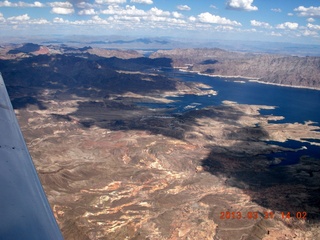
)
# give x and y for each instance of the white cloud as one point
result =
(311, 20)
(260, 24)
(308, 11)
(60, 4)
(58, 20)
(290, 14)
(7, 4)
(158, 12)
(2, 19)
(21, 18)
(127, 18)
(142, 1)
(209, 18)
(177, 15)
(183, 7)
(276, 10)
(224, 28)
(213, 6)
(61, 10)
(153, 17)
(90, 11)
(309, 33)
(192, 19)
(21, 4)
(38, 4)
(98, 20)
(313, 26)
(110, 1)
(288, 25)
(276, 34)
(128, 10)
(242, 5)
(39, 21)
(85, 5)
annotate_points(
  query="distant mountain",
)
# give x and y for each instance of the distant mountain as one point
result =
(13, 51)
(270, 68)
(26, 48)
(139, 40)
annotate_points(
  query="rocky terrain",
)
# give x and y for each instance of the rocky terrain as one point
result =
(269, 68)
(114, 169)
(15, 51)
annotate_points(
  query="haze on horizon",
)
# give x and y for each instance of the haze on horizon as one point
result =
(255, 20)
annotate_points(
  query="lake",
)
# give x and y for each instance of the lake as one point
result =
(294, 104)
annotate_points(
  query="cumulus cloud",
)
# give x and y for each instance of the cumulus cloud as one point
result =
(276, 34)
(62, 11)
(98, 20)
(90, 11)
(110, 1)
(159, 12)
(152, 16)
(313, 26)
(58, 20)
(192, 19)
(38, 4)
(260, 24)
(142, 1)
(276, 10)
(288, 25)
(309, 33)
(308, 11)
(2, 19)
(311, 20)
(21, 18)
(128, 10)
(39, 21)
(21, 4)
(183, 7)
(177, 15)
(224, 28)
(85, 5)
(127, 18)
(242, 5)
(62, 8)
(209, 18)
(61, 4)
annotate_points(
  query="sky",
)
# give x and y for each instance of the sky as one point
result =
(296, 21)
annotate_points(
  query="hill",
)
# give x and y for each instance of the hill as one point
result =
(269, 68)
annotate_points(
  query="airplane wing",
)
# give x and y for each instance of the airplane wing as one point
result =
(25, 212)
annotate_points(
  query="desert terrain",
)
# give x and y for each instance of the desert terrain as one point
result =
(115, 169)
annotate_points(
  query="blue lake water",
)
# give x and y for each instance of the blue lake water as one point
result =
(294, 104)
(293, 157)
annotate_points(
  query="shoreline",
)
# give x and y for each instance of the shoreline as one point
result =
(250, 79)
(285, 85)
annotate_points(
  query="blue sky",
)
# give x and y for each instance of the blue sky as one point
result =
(262, 20)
